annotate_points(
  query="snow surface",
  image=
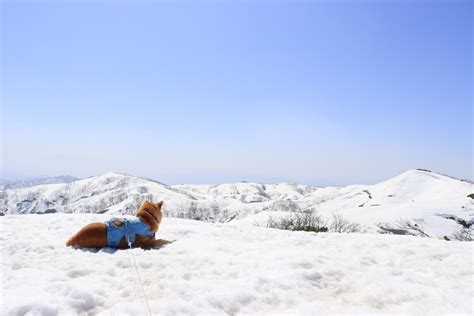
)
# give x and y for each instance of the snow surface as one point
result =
(230, 269)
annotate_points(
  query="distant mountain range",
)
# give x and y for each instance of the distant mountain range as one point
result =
(440, 201)
(17, 184)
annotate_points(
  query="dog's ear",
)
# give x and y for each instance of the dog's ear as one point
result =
(159, 204)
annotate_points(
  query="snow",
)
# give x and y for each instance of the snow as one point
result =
(230, 269)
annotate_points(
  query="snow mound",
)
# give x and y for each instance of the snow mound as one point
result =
(230, 269)
(418, 185)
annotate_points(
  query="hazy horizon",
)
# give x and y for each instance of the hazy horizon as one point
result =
(324, 183)
(313, 92)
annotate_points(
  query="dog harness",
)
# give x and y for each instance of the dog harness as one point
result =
(128, 229)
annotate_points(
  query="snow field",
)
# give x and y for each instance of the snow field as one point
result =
(230, 269)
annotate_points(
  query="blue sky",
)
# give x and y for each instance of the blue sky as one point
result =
(315, 92)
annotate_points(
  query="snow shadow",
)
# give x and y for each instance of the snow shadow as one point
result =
(109, 250)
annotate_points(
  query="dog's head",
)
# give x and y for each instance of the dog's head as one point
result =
(151, 214)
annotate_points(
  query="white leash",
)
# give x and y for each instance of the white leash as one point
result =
(130, 254)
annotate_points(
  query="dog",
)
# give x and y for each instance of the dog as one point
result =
(123, 233)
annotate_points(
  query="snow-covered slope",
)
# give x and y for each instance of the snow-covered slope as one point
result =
(413, 194)
(17, 184)
(219, 269)
(111, 192)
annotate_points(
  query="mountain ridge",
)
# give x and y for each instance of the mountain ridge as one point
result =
(25, 183)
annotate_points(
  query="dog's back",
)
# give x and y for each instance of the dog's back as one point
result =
(93, 235)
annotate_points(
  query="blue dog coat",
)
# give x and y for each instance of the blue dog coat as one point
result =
(128, 229)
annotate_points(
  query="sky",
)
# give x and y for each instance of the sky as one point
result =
(315, 92)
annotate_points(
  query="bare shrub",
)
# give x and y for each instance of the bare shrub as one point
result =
(211, 213)
(464, 234)
(195, 212)
(285, 206)
(341, 225)
(310, 222)
(413, 227)
(215, 210)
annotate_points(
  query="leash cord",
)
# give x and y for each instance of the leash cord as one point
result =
(130, 254)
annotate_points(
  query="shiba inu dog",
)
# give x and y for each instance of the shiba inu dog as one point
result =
(121, 232)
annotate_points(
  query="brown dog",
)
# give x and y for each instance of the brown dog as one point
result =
(94, 235)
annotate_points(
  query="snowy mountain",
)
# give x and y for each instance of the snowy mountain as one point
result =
(116, 193)
(440, 201)
(110, 192)
(17, 184)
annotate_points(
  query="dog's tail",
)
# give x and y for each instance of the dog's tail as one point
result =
(72, 240)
